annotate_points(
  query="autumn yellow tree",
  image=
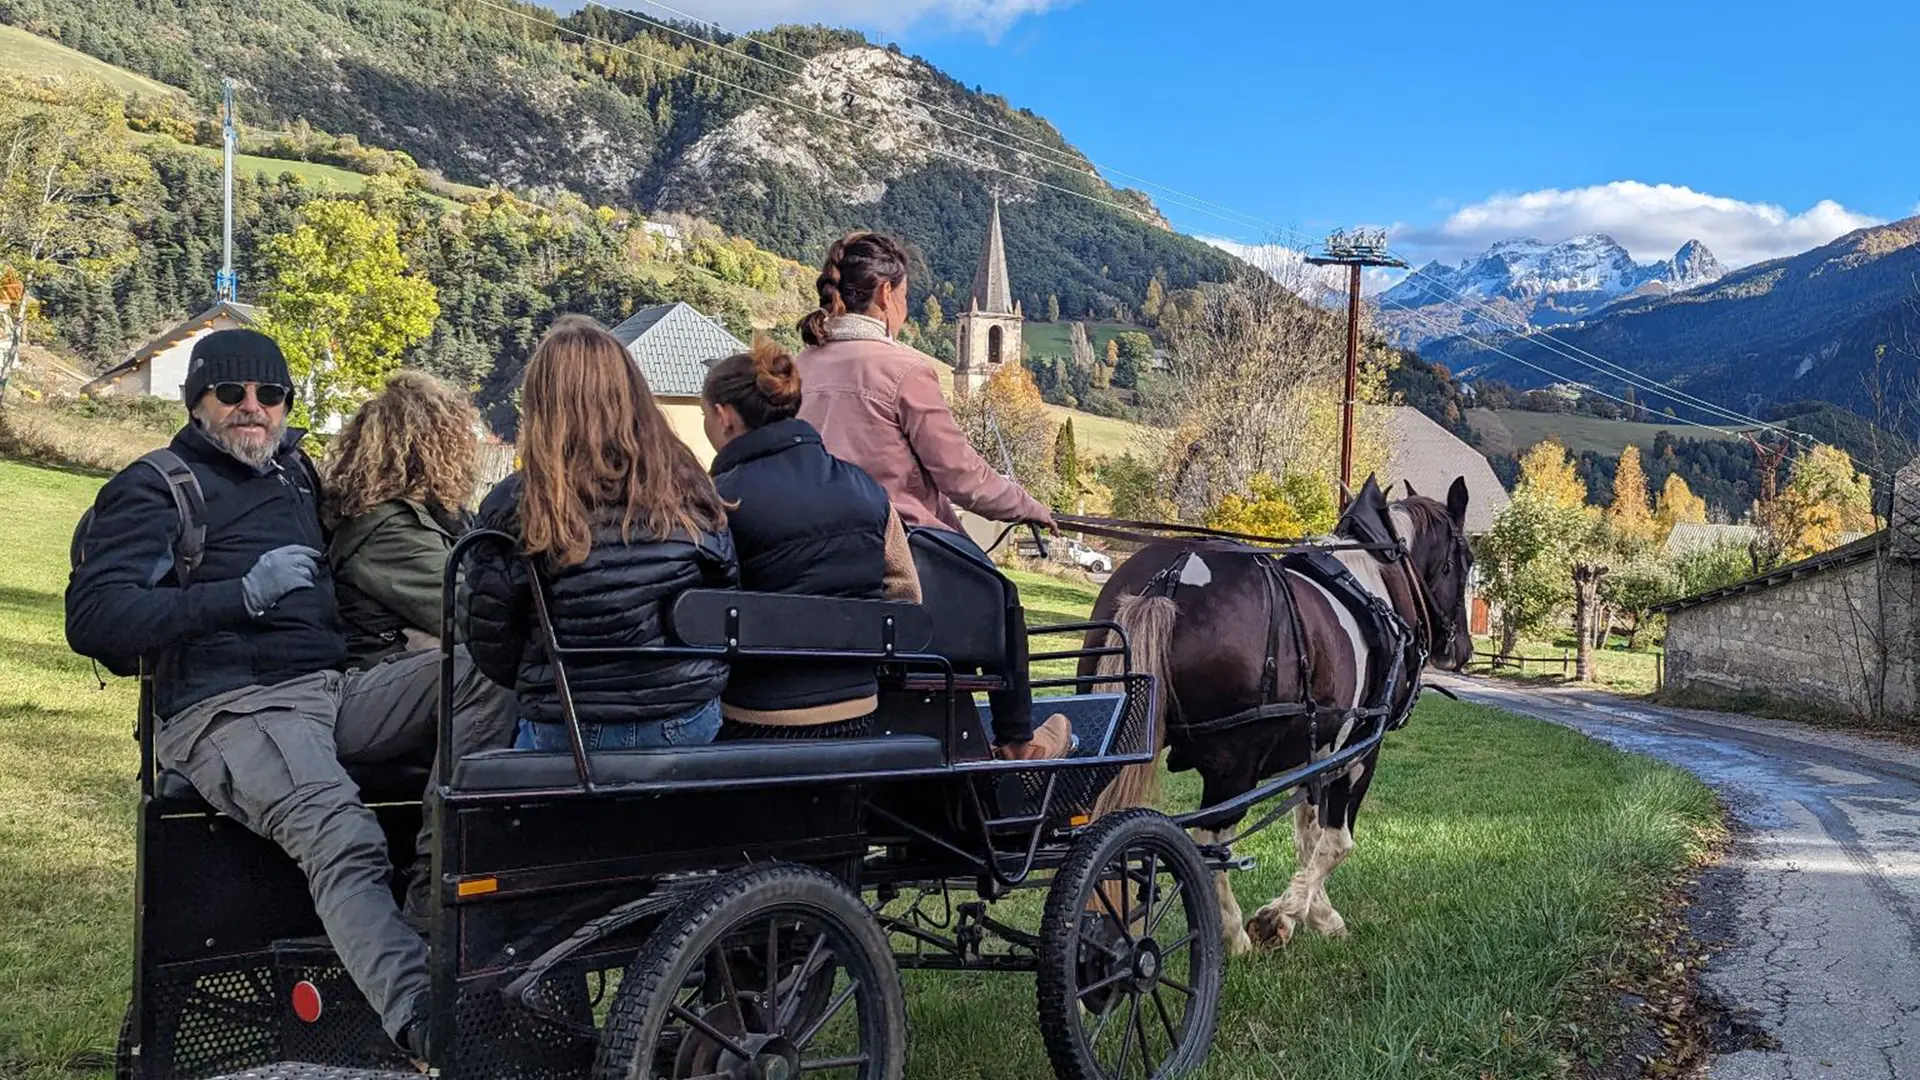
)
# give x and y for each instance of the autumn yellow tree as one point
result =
(1678, 505)
(1547, 470)
(1825, 498)
(1007, 421)
(1629, 516)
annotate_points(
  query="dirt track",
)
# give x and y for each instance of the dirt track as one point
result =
(1822, 892)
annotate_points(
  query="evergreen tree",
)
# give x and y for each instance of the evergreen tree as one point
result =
(1066, 466)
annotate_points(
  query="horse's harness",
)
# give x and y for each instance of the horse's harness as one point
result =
(1405, 645)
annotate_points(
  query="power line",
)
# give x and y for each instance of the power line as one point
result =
(671, 66)
(1063, 158)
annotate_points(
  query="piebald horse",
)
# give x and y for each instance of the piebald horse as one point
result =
(1225, 630)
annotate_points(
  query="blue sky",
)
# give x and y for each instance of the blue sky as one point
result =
(1762, 129)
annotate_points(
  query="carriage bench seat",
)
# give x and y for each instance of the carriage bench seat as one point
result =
(729, 764)
(386, 782)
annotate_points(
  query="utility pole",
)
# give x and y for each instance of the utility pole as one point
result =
(224, 285)
(1354, 250)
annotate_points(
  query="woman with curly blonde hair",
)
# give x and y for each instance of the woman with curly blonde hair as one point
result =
(398, 478)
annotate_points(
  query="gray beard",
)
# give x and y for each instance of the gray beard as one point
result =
(254, 458)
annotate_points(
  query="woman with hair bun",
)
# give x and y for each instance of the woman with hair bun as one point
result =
(878, 404)
(805, 522)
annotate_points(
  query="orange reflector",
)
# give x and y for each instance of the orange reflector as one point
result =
(1078, 820)
(477, 887)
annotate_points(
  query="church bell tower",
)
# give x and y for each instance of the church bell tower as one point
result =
(988, 332)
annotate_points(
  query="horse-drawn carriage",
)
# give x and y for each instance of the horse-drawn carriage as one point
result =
(739, 910)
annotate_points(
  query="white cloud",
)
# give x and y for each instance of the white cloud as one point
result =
(1649, 220)
(988, 17)
(1321, 284)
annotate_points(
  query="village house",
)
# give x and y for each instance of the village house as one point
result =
(159, 367)
(674, 344)
(1838, 633)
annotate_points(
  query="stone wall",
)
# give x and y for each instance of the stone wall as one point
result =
(1818, 639)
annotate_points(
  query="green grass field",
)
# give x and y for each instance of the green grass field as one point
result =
(1616, 667)
(34, 55)
(1056, 339)
(1500, 863)
(1512, 431)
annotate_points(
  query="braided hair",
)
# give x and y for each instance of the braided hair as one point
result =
(856, 266)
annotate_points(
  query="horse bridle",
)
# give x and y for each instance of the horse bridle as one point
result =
(1436, 620)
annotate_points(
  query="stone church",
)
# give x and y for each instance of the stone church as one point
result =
(988, 333)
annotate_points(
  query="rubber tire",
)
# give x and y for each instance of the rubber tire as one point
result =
(1057, 980)
(638, 1011)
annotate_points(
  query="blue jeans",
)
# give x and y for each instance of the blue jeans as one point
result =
(692, 729)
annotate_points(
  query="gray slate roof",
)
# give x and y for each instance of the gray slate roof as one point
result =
(674, 344)
(991, 290)
(1691, 536)
(1431, 457)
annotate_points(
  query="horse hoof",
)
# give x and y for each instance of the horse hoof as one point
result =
(1269, 928)
(1237, 942)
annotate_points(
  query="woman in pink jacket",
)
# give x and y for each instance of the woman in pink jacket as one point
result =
(877, 404)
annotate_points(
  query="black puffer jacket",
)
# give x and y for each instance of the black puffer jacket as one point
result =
(123, 602)
(619, 597)
(808, 523)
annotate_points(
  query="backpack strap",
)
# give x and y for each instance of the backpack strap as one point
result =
(189, 503)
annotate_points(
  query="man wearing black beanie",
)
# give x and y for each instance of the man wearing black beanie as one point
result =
(245, 650)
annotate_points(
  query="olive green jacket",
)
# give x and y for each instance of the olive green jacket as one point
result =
(387, 565)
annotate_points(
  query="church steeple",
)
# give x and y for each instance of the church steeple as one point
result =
(991, 292)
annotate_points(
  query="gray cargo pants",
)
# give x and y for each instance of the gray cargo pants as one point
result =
(273, 758)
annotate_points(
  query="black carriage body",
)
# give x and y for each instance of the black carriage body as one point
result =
(552, 869)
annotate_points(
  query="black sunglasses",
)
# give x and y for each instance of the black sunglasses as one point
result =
(267, 394)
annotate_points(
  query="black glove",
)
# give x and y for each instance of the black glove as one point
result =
(278, 573)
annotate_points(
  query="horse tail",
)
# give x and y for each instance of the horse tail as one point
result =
(1148, 623)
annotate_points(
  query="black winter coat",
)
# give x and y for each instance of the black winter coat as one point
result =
(619, 597)
(123, 602)
(806, 522)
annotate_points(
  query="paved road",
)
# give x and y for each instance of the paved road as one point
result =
(1824, 884)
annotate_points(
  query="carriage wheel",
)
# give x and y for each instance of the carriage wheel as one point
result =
(682, 1013)
(1130, 953)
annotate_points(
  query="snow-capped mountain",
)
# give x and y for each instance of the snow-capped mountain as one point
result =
(1539, 284)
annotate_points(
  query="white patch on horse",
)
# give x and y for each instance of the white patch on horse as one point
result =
(1346, 729)
(1402, 523)
(1351, 627)
(1195, 572)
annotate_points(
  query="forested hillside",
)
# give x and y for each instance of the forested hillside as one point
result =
(669, 119)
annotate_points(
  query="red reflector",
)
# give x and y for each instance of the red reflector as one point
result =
(306, 1001)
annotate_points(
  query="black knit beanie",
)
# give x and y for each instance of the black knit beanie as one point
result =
(233, 356)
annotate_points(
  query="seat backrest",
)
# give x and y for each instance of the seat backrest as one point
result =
(969, 596)
(757, 620)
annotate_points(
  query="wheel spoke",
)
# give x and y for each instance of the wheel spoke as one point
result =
(801, 977)
(1159, 1006)
(1179, 943)
(1175, 984)
(773, 971)
(731, 994)
(833, 1063)
(1146, 1051)
(693, 1020)
(1174, 896)
(1106, 1016)
(1104, 983)
(833, 1009)
(1126, 1036)
(1100, 890)
(1152, 883)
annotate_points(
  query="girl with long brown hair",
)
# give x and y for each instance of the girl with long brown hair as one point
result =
(619, 517)
(398, 480)
(877, 404)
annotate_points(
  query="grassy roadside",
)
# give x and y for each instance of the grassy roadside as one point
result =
(1499, 863)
